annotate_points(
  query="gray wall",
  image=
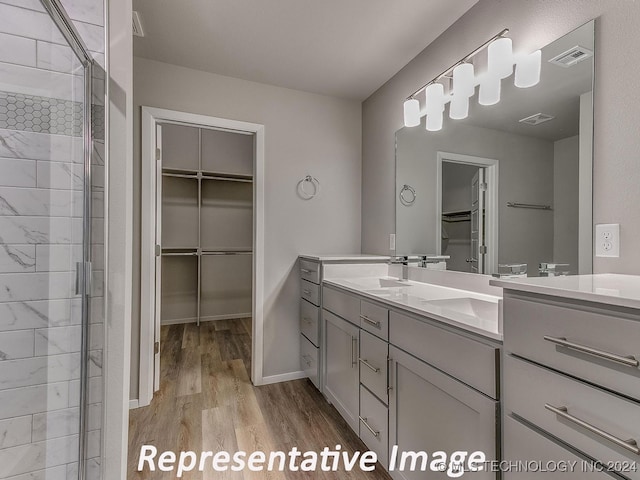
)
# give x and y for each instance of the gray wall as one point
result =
(304, 134)
(533, 24)
(565, 201)
(525, 167)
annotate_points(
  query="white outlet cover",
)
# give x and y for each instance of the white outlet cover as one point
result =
(608, 240)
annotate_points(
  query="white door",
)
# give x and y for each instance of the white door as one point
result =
(158, 263)
(478, 246)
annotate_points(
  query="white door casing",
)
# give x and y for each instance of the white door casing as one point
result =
(151, 230)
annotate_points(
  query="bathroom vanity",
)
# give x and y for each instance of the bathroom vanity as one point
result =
(409, 364)
(571, 373)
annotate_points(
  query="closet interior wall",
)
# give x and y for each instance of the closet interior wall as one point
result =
(206, 224)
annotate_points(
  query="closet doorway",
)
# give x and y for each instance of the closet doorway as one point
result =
(467, 212)
(202, 230)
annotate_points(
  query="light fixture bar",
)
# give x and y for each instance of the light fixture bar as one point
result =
(463, 60)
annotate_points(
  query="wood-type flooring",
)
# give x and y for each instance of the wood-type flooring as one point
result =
(206, 402)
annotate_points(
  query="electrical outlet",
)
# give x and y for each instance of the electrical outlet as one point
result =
(608, 240)
(392, 241)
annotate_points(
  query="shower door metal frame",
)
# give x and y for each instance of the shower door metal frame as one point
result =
(83, 274)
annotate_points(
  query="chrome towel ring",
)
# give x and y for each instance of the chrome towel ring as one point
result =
(407, 195)
(308, 187)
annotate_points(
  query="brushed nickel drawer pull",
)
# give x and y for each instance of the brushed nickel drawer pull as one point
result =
(563, 342)
(354, 353)
(304, 270)
(306, 291)
(364, 422)
(630, 445)
(375, 323)
(367, 364)
(308, 320)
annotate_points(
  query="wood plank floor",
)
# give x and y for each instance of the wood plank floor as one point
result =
(206, 402)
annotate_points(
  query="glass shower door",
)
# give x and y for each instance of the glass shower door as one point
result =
(45, 199)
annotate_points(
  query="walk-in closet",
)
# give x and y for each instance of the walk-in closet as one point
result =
(205, 223)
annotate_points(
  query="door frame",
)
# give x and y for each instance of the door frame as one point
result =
(491, 204)
(151, 117)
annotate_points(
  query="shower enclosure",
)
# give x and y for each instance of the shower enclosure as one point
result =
(51, 236)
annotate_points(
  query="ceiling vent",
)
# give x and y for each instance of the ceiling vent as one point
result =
(137, 25)
(572, 56)
(537, 119)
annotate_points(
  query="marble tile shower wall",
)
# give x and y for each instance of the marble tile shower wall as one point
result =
(41, 178)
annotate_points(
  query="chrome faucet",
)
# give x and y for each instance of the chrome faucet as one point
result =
(404, 261)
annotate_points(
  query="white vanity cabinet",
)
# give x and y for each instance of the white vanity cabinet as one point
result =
(341, 366)
(312, 269)
(572, 376)
(407, 380)
(431, 411)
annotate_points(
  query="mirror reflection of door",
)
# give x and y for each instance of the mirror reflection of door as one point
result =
(463, 216)
(478, 249)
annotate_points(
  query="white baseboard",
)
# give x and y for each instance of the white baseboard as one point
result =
(133, 404)
(283, 377)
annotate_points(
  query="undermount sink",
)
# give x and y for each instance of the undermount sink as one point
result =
(469, 306)
(385, 282)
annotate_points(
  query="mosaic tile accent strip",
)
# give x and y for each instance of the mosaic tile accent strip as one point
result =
(30, 113)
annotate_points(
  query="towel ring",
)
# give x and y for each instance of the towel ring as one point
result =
(304, 193)
(403, 199)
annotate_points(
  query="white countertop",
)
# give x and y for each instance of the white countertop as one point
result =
(348, 257)
(609, 288)
(474, 312)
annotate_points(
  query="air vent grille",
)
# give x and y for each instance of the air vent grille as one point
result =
(572, 56)
(537, 119)
(137, 25)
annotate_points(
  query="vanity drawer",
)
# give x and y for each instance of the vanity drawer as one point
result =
(310, 271)
(310, 291)
(373, 364)
(309, 360)
(342, 304)
(471, 361)
(532, 392)
(535, 329)
(523, 444)
(309, 321)
(374, 425)
(374, 319)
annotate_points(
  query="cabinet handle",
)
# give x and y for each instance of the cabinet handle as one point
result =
(367, 364)
(613, 357)
(307, 359)
(389, 367)
(630, 445)
(306, 291)
(375, 433)
(354, 354)
(305, 270)
(308, 320)
(375, 323)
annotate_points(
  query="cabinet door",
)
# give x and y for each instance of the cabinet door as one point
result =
(341, 364)
(430, 411)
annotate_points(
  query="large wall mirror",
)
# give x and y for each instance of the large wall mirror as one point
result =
(511, 184)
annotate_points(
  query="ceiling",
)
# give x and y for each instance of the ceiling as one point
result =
(342, 48)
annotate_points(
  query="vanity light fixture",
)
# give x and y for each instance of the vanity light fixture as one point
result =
(528, 69)
(411, 113)
(435, 101)
(500, 61)
(464, 86)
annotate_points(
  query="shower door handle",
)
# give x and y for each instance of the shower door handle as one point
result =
(83, 274)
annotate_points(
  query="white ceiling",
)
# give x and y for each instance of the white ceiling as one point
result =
(343, 48)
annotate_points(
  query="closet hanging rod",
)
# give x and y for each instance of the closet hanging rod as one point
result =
(227, 252)
(229, 179)
(533, 206)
